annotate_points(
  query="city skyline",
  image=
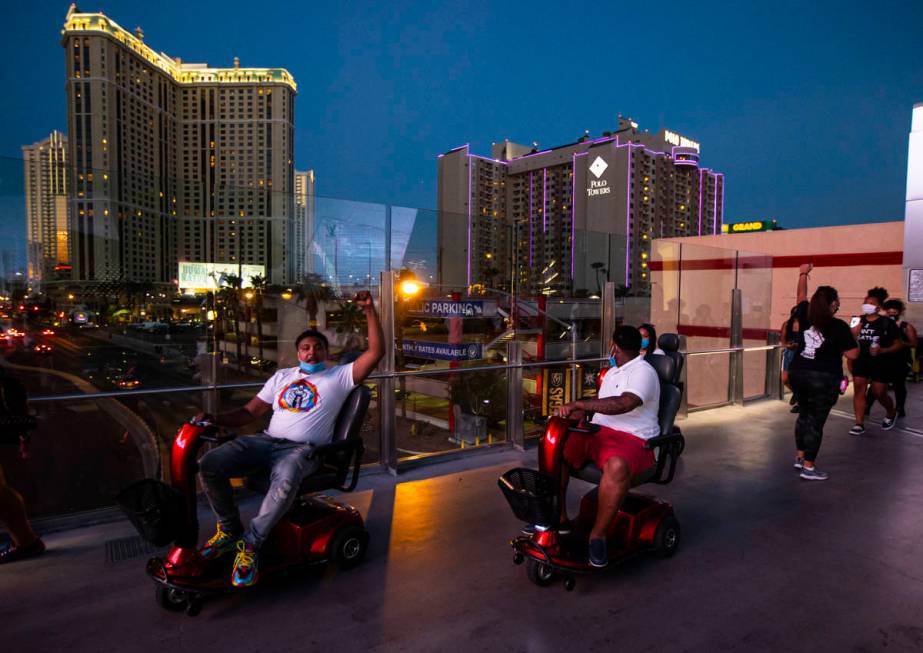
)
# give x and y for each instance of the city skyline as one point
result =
(785, 106)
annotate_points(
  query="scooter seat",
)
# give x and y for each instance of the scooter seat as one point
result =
(592, 474)
(342, 453)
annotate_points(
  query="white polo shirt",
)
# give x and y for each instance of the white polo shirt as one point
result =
(640, 379)
(305, 406)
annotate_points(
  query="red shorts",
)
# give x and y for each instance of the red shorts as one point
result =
(599, 447)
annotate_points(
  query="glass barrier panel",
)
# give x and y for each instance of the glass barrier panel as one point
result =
(666, 301)
(83, 453)
(707, 382)
(754, 280)
(440, 413)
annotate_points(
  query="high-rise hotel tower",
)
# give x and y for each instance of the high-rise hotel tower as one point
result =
(174, 161)
(46, 188)
(561, 220)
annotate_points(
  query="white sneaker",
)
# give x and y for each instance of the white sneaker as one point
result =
(858, 429)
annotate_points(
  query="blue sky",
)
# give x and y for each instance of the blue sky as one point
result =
(805, 106)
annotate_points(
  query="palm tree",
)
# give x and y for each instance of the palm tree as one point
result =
(232, 301)
(350, 320)
(259, 284)
(313, 291)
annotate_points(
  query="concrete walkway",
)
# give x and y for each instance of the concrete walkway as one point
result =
(768, 562)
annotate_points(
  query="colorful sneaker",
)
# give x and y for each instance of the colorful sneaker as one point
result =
(246, 565)
(220, 544)
(813, 474)
(799, 462)
(888, 423)
(858, 429)
(14, 553)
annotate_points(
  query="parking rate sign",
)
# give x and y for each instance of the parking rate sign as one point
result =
(470, 351)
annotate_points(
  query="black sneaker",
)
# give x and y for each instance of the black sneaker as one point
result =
(599, 553)
(799, 462)
(813, 474)
(858, 429)
(888, 423)
(14, 553)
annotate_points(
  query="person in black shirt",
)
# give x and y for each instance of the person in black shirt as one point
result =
(878, 339)
(904, 358)
(790, 332)
(817, 369)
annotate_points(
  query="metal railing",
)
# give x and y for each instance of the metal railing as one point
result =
(388, 376)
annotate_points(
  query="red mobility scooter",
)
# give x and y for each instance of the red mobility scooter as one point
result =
(643, 523)
(316, 530)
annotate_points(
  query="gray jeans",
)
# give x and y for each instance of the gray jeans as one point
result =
(289, 463)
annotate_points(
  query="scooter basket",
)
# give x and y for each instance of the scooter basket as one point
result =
(532, 495)
(154, 508)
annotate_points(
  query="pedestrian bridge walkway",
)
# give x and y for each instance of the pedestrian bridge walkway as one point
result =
(768, 562)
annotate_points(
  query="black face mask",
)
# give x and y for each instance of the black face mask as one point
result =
(893, 317)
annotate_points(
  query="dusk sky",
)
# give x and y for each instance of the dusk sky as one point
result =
(805, 106)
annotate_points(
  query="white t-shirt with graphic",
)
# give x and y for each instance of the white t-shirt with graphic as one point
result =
(305, 406)
(640, 379)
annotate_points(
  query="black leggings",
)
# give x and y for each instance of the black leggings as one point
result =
(816, 393)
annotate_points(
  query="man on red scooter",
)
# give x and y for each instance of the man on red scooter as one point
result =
(305, 402)
(626, 411)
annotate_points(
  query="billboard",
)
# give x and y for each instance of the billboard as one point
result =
(210, 276)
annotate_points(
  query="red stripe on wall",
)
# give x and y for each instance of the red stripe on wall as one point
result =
(720, 332)
(850, 259)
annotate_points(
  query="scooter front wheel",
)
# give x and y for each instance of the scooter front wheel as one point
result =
(171, 600)
(540, 573)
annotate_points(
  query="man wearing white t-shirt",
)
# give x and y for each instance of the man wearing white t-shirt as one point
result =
(626, 411)
(305, 402)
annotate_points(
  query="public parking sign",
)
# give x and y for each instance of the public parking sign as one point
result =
(470, 351)
(466, 308)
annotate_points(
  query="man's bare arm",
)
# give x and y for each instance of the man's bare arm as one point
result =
(368, 360)
(254, 409)
(624, 403)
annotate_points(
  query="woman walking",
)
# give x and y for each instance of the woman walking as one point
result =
(878, 339)
(817, 369)
(894, 308)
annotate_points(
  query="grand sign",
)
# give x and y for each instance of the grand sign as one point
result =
(746, 227)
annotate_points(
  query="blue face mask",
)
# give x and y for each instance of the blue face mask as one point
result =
(645, 342)
(612, 362)
(311, 368)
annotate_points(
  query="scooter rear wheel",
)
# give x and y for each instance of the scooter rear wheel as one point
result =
(666, 539)
(349, 546)
(170, 599)
(540, 573)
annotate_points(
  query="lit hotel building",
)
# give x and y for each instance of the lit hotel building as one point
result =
(174, 161)
(536, 221)
(303, 229)
(46, 188)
